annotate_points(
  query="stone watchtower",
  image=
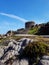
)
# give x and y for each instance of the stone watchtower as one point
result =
(29, 24)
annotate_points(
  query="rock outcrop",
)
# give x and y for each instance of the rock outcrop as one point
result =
(9, 55)
(13, 50)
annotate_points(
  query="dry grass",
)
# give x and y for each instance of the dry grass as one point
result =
(35, 38)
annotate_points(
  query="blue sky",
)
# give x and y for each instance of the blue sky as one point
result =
(14, 13)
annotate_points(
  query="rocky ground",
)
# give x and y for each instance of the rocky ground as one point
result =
(9, 55)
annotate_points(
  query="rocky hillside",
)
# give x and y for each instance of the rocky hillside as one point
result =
(32, 28)
(15, 53)
(41, 29)
(44, 30)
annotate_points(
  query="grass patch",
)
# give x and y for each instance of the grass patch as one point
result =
(33, 31)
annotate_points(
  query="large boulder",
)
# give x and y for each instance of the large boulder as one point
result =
(14, 49)
(9, 55)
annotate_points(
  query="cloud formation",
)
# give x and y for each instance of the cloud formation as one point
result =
(14, 16)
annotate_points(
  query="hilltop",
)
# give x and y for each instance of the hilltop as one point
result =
(32, 28)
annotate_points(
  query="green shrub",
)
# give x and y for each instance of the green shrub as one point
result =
(34, 51)
(33, 31)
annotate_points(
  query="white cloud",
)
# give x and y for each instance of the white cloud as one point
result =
(14, 16)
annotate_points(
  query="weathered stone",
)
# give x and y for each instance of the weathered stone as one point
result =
(29, 25)
(14, 48)
(9, 54)
(1, 51)
(44, 60)
(20, 62)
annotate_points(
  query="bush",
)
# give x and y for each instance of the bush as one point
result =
(34, 50)
(34, 30)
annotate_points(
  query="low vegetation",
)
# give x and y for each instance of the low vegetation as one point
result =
(34, 30)
(34, 51)
(43, 29)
